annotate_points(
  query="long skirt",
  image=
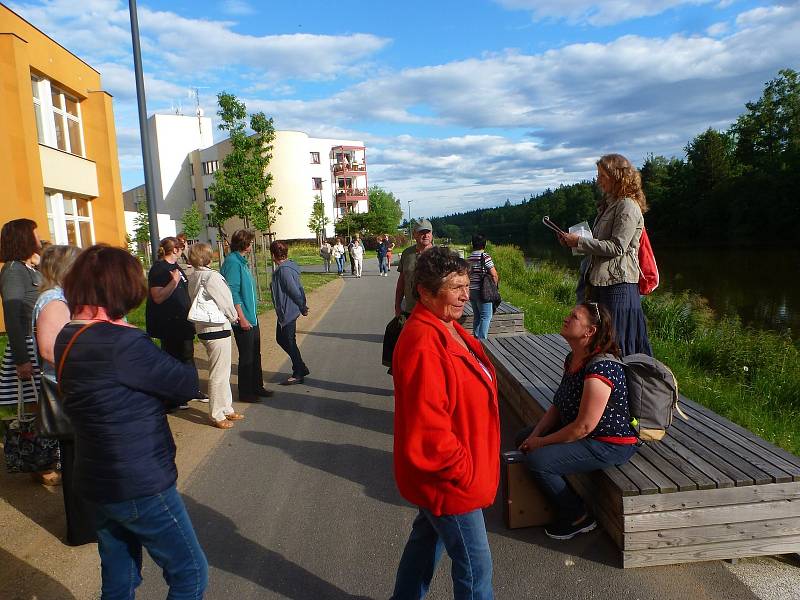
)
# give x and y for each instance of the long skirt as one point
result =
(8, 377)
(625, 305)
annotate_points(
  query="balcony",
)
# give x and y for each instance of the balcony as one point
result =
(349, 169)
(351, 195)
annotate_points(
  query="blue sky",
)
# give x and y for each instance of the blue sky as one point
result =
(462, 104)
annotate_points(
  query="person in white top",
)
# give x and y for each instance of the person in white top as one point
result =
(216, 336)
(358, 256)
(338, 256)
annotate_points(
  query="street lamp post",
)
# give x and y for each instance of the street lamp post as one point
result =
(410, 234)
(152, 211)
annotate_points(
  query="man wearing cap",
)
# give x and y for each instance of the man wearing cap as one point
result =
(403, 298)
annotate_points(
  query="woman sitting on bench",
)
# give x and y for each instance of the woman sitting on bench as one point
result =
(588, 426)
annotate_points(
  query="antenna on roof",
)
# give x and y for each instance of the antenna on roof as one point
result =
(198, 111)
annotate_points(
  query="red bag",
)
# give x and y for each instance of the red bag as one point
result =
(648, 270)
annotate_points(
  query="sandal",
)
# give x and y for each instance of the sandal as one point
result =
(234, 417)
(224, 424)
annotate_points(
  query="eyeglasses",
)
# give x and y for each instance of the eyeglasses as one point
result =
(596, 310)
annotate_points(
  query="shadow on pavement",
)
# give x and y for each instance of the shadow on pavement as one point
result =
(358, 337)
(368, 467)
(336, 410)
(19, 580)
(266, 568)
(43, 505)
(338, 386)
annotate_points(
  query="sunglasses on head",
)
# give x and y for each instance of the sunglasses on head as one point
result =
(596, 310)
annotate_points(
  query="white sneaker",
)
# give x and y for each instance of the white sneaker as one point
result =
(203, 400)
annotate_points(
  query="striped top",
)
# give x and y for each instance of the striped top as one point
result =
(475, 273)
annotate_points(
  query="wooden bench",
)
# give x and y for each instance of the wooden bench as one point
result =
(507, 320)
(709, 490)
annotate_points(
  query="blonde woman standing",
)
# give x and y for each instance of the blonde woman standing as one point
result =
(214, 332)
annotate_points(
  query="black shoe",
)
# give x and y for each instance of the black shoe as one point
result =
(567, 531)
(265, 393)
(306, 372)
(250, 399)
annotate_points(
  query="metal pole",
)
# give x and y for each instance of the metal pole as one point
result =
(410, 234)
(152, 211)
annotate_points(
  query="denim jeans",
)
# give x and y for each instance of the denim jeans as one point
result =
(340, 265)
(549, 465)
(464, 538)
(286, 337)
(383, 265)
(161, 525)
(482, 315)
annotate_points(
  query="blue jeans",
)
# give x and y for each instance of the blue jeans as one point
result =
(464, 538)
(482, 315)
(160, 524)
(286, 337)
(383, 264)
(340, 265)
(549, 465)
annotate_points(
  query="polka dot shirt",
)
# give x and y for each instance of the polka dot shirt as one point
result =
(616, 418)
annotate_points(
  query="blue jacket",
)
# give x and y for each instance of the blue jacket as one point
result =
(117, 386)
(288, 295)
(236, 272)
(382, 249)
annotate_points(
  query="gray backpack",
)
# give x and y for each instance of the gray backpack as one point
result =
(652, 394)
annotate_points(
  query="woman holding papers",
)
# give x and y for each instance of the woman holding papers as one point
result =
(613, 273)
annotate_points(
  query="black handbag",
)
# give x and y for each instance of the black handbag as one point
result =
(25, 450)
(489, 291)
(390, 336)
(52, 421)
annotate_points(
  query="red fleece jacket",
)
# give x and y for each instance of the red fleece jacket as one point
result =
(446, 423)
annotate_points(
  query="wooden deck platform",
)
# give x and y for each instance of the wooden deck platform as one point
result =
(709, 490)
(507, 320)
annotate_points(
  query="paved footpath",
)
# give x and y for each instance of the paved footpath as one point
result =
(298, 501)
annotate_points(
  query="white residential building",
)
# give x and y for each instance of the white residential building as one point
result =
(302, 168)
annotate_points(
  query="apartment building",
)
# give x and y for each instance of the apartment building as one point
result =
(302, 169)
(58, 147)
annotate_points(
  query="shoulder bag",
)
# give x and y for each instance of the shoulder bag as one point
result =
(25, 450)
(488, 289)
(51, 419)
(205, 311)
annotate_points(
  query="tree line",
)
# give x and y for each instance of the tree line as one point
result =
(739, 186)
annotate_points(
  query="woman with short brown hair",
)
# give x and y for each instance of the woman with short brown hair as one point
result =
(117, 386)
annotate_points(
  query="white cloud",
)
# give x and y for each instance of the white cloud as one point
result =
(237, 7)
(718, 29)
(594, 12)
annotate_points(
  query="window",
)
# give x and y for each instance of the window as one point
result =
(316, 183)
(315, 158)
(191, 169)
(69, 219)
(208, 195)
(194, 195)
(210, 166)
(58, 117)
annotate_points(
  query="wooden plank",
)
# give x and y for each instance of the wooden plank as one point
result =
(700, 479)
(733, 549)
(621, 482)
(639, 479)
(710, 534)
(551, 357)
(736, 475)
(517, 346)
(711, 515)
(682, 482)
(746, 441)
(540, 391)
(552, 364)
(720, 479)
(717, 497)
(787, 456)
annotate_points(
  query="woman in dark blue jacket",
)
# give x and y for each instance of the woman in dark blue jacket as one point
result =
(117, 387)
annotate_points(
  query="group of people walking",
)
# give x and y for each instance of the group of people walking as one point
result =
(65, 315)
(354, 250)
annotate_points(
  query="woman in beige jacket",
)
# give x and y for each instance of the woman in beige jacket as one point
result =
(216, 337)
(613, 274)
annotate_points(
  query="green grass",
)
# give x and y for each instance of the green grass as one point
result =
(750, 376)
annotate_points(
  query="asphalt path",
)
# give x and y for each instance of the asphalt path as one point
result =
(299, 501)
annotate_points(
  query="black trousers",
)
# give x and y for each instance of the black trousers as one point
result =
(286, 337)
(179, 348)
(79, 512)
(251, 378)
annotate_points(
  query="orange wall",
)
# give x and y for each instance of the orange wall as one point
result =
(24, 49)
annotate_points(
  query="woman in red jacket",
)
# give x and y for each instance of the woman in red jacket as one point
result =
(446, 433)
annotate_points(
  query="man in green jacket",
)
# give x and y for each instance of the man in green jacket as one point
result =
(236, 272)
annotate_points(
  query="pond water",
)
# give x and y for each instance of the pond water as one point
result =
(761, 286)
